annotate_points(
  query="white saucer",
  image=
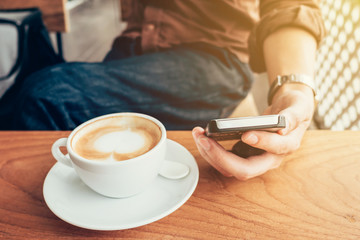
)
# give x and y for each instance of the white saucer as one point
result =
(72, 201)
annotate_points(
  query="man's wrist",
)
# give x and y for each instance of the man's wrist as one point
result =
(294, 87)
(298, 82)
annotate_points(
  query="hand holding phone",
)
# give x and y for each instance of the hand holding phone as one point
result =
(233, 128)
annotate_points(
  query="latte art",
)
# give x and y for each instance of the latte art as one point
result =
(110, 142)
(116, 138)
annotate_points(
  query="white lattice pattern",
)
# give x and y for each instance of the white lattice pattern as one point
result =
(338, 67)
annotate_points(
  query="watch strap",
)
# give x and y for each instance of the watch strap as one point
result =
(292, 78)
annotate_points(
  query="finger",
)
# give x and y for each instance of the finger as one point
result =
(291, 121)
(260, 164)
(203, 144)
(197, 132)
(273, 142)
(240, 168)
(230, 164)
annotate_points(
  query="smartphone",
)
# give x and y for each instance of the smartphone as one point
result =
(233, 128)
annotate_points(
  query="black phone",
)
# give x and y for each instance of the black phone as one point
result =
(233, 128)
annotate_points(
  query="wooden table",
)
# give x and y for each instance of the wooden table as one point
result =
(315, 194)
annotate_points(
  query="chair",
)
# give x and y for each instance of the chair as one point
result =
(54, 13)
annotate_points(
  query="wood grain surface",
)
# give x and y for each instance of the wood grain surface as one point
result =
(54, 13)
(314, 194)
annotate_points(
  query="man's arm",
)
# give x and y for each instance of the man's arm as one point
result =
(285, 50)
(290, 51)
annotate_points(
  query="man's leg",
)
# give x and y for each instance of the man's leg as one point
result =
(183, 87)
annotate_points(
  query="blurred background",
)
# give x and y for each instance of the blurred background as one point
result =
(85, 29)
(93, 25)
(338, 68)
(338, 63)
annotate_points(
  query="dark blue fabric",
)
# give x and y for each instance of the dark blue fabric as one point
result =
(182, 87)
(34, 52)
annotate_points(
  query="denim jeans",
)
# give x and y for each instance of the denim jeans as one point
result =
(183, 87)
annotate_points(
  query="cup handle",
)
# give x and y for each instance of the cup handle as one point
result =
(58, 155)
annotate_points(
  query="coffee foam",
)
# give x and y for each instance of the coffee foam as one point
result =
(116, 138)
(110, 142)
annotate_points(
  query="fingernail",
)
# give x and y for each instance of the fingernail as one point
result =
(204, 143)
(193, 133)
(196, 132)
(251, 139)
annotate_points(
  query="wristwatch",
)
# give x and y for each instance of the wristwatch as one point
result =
(292, 78)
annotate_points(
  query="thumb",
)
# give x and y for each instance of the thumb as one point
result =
(291, 121)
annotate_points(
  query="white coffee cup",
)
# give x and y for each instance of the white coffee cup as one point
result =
(111, 177)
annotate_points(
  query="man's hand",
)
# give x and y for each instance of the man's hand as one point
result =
(296, 103)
